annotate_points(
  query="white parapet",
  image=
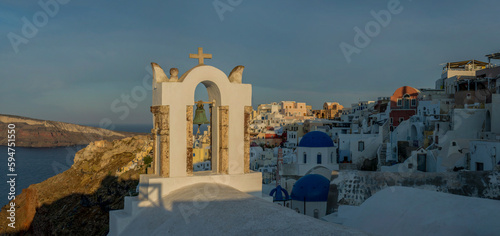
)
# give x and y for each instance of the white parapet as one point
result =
(153, 188)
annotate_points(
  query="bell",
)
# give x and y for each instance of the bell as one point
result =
(200, 117)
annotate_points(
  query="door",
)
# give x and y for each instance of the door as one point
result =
(406, 103)
(421, 164)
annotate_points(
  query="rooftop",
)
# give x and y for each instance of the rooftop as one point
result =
(316, 139)
(468, 65)
(215, 209)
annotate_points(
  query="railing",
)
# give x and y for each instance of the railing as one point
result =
(385, 131)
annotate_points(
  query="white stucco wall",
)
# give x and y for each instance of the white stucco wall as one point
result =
(495, 113)
(485, 152)
(351, 142)
(310, 207)
(468, 122)
(427, 108)
(328, 154)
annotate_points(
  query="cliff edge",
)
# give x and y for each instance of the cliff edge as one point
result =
(78, 201)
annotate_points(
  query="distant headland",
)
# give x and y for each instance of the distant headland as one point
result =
(43, 133)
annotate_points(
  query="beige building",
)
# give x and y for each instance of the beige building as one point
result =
(331, 110)
(309, 109)
(292, 108)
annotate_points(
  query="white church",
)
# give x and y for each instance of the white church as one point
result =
(227, 200)
(316, 154)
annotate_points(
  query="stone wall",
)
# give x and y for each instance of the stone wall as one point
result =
(354, 187)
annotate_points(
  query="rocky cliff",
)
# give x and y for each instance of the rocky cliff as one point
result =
(42, 133)
(78, 201)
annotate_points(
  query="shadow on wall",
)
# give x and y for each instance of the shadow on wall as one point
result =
(81, 214)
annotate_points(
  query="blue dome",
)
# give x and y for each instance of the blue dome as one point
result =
(316, 139)
(311, 188)
(277, 194)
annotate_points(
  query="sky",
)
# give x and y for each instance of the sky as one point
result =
(73, 61)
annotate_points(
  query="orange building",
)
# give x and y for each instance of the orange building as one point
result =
(403, 104)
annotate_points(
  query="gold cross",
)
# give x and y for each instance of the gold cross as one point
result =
(200, 56)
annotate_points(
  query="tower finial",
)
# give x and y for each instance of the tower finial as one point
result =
(200, 56)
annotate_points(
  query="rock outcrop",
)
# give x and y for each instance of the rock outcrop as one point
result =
(42, 133)
(78, 201)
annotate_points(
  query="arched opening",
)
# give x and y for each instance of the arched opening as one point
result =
(205, 142)
(487, 126)
(406, 101)
(320, 170)
(413, 133)
(202, 135)
(318, 158)
(305, 158)
(361, 146)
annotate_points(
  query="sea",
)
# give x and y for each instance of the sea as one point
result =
(34, 165)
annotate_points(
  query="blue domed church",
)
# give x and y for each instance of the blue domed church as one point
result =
(316, 154)
(310, 195)
(316, 149)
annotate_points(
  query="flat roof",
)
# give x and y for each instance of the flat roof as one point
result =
(493, 55)
(461, 64)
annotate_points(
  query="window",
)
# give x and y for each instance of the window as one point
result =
(331, 157)
(305, 158)
(361, 146)
(413, 102)
(400, 102)
(318, 158)
(479, 166)
(453, 143)
(316, 213)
